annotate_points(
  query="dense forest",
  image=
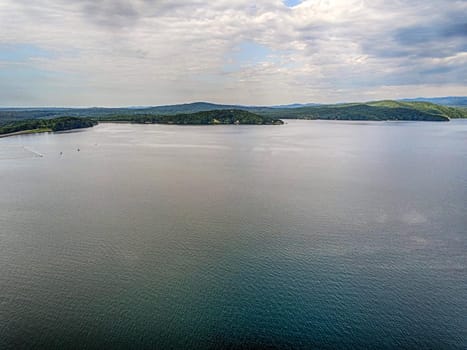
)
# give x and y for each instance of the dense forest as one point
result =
(44, 125)
(200, 118)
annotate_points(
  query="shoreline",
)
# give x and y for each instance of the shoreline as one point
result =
(40, 131)
(26, 132)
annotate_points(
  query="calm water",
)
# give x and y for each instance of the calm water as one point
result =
(309, 235)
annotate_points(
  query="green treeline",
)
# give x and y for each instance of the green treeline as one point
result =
(379, 110)
(213, 117)
(56, 124)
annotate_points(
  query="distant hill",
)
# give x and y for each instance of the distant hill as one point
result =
(190, 108)
(375, 110)
(11, 114)
(426, 107)
(296, 105)
(452, 101)
(378, 110)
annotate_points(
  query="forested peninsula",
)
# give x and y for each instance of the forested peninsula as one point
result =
(45, 125)
(213, 117)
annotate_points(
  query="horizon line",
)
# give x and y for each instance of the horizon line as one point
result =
(225, 104)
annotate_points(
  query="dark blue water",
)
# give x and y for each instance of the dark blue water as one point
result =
(313, 234)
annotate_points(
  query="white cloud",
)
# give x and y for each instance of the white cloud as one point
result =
(136, 52)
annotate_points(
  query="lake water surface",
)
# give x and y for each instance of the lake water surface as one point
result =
(313, 234)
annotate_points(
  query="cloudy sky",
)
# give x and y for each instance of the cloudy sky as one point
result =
(152, 52)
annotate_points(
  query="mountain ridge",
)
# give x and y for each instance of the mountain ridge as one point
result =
(371, 110)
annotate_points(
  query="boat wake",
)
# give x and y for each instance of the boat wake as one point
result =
(33, 152)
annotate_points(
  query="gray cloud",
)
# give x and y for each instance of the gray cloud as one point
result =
(115, 14)
(427, 34)
(160, 51)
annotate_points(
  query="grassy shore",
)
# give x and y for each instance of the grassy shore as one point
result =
(25, 132)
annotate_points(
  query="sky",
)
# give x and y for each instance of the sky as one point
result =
(264, 52)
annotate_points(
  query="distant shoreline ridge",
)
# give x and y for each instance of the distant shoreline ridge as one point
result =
(25, 121)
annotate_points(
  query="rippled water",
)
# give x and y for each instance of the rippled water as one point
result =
(308, 235)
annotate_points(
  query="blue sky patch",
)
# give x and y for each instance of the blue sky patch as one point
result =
(246, 54)
(22, 52)
(292, 3)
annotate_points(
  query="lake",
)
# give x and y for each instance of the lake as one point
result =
(314, 234)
